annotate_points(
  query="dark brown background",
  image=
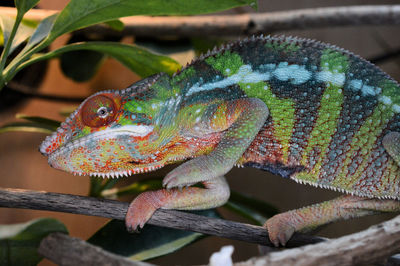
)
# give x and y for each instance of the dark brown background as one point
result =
(22, 166)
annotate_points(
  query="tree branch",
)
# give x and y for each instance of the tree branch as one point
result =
(363, 248)
(39, 200)
(70, 251)
(243, 24)
(373, 244)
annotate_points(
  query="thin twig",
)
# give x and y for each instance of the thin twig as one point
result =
(244, 24)
(70, 251)
(38, 200)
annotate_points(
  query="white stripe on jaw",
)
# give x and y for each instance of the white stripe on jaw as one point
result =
(131, 130)
(135, 130)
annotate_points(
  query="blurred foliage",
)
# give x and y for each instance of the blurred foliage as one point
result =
(19, 242)
(151, 242)
(25, 43)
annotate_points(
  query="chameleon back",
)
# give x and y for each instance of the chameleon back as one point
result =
(329, 110)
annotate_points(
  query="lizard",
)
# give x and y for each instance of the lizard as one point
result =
(298, 108)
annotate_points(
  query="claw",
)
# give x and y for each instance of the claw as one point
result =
(279, 229)
(170, 181)
(186, 174)
(140, 211)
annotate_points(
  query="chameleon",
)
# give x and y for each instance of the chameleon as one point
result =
(298, 108)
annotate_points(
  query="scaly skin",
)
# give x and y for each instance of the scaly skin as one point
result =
(298, 108)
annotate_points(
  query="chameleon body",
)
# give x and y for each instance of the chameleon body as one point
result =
(298, 108)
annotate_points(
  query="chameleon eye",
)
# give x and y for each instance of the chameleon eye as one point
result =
(102, 112)
(98, 111)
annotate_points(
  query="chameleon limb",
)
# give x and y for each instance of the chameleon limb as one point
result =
(391, 143)
(252, 115)
(282, 226)
(215, 193)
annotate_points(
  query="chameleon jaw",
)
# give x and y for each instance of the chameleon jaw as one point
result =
(106, 154)
(123, 173)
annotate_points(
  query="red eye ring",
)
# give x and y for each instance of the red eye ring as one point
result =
(98, 111)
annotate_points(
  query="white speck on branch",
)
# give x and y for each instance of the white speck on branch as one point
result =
(243, 24)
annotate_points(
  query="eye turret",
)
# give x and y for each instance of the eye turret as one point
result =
(98, 111)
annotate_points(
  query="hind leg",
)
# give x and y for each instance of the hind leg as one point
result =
(282, 226)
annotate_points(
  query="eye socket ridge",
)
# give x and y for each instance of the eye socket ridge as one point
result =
(98, 111)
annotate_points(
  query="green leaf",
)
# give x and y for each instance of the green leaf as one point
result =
(82, 13)
(30, 23)
(133, 189)
(95, 186)
(66, 111)
(81, 65)
(250, 208)
(23, 33)
(202, 45)
(19, 242)
(260, 206)
(6, 24)
(26, 127)
(24, 6)
(98, 185)
(151, 242)
(50, 123)
(246, 212)
(41, 32)
(139, 60)
(115, 24)
(35, 124)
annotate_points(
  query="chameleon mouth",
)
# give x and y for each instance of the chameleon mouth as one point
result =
(53, 142)
(105, 154)
(125, 173)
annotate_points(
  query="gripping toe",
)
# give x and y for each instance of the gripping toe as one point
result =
(140, 211)
(279, 229)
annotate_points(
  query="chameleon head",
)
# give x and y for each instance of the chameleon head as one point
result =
(104, 138)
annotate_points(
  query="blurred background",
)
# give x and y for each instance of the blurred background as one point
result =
(22, 166)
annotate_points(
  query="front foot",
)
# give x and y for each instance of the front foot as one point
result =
(188, 173)
(141, 209)
(280, 229)
(215, 193)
